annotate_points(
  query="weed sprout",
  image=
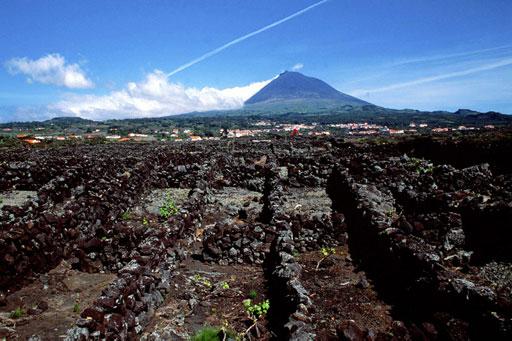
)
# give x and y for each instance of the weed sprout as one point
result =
(326, 252)
(169, 207)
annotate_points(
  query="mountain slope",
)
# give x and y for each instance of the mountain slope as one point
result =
(295, 88)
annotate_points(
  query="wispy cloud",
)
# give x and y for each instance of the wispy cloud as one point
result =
(482, 92)
(401, 65)
(155, 96)
(297, 66)
(244, 37)
(447, 56)
(429, 79)
(50, 69)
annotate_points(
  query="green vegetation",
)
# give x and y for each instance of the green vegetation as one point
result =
(201, 280)
(169, 207)
(17, 313)
(429, 169)
(224, 285)
(207, 334)
(326, 252)
(210, 123)
(421, 166)
(390, 212)
(126, 215)
(214, 334)
(252, 294)
(76, 306)
(255, 311)
(9, 141)
(145, 221)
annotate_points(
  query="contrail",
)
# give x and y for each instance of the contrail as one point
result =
(485, 67)
(448, 56)
(388, 67)
(242, 38)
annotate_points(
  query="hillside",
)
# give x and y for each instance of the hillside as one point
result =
(293, 89)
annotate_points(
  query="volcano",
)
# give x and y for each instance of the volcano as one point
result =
(296, 89)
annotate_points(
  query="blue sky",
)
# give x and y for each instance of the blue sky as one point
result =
(102, 59)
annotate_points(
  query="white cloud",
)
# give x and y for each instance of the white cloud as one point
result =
(155, 96)
(50, 69)
(297, 66)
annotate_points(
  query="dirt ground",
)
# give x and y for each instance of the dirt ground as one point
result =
(307, 201)
(340, 292)
(156, 198)
(16, 198)
(52, 304)
(228, 201)
(207, 295)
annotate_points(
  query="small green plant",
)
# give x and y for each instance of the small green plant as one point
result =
(204, 281)
(214, 334)
(207, 334)
(394, 214)
(253, 294)
(76, 306)
(390, 212)
(417, 165)
(295, 253)
(429, 169)
(17, 313)
(145, 221)
(169, 207)
(126, 215)
(224, 285)
(326, 252)
(255, 311)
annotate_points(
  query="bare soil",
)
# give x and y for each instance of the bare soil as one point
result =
(340, 291)
(199, 297)
(49, 303)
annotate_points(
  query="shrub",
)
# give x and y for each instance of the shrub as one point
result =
(207, 334)
(213, 334)
(326, 252)
(253, 294)
(169, 207)
(125, 215)
(420, 166)
(256, 310)
(204, 281)
(17, 313)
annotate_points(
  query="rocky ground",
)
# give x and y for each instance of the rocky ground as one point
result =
(346, 240)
